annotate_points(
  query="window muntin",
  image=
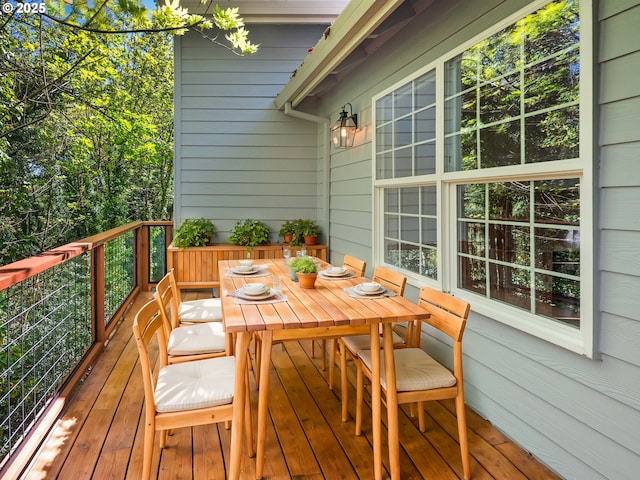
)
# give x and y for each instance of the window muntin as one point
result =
(515, 236)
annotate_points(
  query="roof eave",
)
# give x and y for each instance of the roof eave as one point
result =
(275, 11)
(356, 22)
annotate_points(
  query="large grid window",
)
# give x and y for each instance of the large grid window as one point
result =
(482, 176)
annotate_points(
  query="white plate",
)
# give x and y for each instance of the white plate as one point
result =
(245, 271)
(263, 296)
(360, 291)
(254, 288)
(336, 272)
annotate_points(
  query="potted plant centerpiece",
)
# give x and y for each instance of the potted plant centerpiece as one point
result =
(249, 233)
(194, 232)
(306, 270)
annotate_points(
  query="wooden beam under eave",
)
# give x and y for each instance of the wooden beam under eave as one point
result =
(352, 27)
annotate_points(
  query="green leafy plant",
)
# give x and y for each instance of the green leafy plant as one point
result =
(287, 227)
(249, 233)
(309, 228)
(296, 229)
(303, 265)
(194, 232)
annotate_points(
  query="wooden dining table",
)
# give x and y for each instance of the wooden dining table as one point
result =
(324, 312)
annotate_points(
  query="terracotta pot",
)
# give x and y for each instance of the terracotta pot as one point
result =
(307, 280)
(310, 239)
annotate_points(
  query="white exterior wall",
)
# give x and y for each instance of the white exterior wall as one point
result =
(236, 156)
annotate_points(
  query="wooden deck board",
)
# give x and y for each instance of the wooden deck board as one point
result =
(99, 435)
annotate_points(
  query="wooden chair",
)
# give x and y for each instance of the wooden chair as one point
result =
(419, 377)
(186, 394)
(356, 267)
(189, 341)
(350, 346)
(191, 311)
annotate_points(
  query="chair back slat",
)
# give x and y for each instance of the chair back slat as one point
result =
(168, 301)
(394, 281)
(354, 265)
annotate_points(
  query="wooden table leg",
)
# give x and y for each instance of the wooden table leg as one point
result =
(239, 392)
(263, 396)
(376, 419)
(392, 402)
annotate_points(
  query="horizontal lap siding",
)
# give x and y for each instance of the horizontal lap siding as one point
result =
(579, 416)
(619, 57)
(238, 157)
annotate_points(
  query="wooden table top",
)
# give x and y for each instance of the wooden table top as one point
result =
(324, 306)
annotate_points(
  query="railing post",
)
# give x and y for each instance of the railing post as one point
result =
(142, 256)
(97, 260)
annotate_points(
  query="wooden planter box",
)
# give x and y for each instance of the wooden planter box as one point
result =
(197, 267)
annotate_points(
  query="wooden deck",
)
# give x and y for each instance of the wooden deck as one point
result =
(100, 433)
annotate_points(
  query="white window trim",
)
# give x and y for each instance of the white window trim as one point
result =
(583, 340)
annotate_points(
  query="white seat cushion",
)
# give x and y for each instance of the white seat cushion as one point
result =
(197, 338)
(197, 384)
(197, 311)
(356, 343)
(415, 370)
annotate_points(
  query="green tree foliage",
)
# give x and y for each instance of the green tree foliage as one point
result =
(86, 116)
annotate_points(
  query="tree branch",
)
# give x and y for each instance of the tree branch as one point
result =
(84, 28)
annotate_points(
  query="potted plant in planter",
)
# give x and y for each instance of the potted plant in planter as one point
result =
(194, 232)
(310, 232)
(249, 233)
(298, 232)
(306, 270)
(287, 231)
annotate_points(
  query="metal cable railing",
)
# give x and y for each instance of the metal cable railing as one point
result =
(119, 258)
(45, 330)
(56, 313)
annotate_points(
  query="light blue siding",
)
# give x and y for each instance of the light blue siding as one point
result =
(238, 157)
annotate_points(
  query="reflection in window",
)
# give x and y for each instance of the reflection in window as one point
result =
(513, 98)
(496, 240)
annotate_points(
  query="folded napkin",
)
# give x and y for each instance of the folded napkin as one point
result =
(324, 276)
(352, 292)
(261, 272)
(277, 297)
